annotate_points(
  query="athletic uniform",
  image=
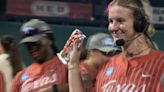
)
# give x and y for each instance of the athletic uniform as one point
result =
(85, 70)
(140, 74)
(87, 73)
(2, 82)
(37, 77)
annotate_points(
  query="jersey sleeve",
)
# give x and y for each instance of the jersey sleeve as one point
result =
(162, 77)
(63, 73)
(2, 83)
(60, 69)
(16, 82)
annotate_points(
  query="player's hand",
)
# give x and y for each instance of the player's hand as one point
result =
(75, 53)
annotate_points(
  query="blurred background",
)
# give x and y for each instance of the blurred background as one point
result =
(65, 15)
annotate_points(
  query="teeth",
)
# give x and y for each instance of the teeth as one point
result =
(114, 32)
(118, 32)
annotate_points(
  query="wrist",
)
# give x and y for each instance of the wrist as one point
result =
(72, 66)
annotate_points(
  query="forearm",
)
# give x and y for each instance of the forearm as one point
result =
(75, 80)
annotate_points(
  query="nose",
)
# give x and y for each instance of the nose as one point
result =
(113, 26)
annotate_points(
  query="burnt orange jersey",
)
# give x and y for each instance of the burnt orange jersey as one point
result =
(140, 74)
(2, 83)
(37, 77)
(86, 71)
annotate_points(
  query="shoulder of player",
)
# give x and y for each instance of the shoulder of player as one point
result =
(159, 55)
(17, 77)
(26, 69)
(54, 59)
(55, 62)
(110, 61)
(162, 53)
(114, 58)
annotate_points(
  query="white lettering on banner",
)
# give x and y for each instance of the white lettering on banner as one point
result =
(29, 84)
(131, 87)
(49, 8)
(158, 15)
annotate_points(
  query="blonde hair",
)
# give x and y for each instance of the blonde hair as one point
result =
(131, 4)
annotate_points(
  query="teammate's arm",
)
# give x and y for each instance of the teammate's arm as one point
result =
(16, 82)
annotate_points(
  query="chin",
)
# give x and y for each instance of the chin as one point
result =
(38, 60)
(115, 39)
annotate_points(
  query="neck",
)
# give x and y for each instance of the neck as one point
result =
(137, 47)
(48, 56)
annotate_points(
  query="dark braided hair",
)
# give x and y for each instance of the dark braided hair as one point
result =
(10, 47)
